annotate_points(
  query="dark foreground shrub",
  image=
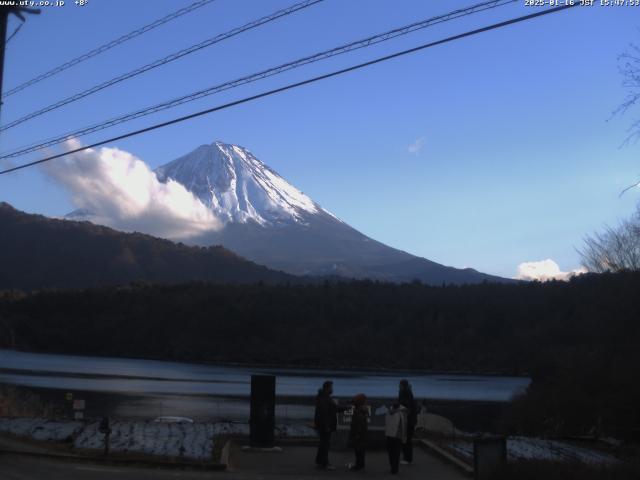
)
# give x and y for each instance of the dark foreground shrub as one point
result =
(16, 402)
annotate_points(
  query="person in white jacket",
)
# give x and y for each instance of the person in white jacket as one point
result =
(395, 429)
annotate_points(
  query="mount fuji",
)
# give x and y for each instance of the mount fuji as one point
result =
(269, 221)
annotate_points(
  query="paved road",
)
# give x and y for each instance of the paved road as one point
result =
(297, 463)
(291, 463)
(18, 467)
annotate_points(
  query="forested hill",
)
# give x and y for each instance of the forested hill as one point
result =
(518, 328)
(39, 252)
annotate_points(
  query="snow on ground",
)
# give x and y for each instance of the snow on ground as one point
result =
(529, 448)
(188, 440)
(193, 441)
(294, 430)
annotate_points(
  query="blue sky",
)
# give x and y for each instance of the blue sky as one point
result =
(486, 152)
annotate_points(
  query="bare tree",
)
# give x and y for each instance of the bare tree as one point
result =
(629, 66)
(618, 248)
(614, 250)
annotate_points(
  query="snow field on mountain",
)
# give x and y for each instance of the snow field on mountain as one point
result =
(238, 187)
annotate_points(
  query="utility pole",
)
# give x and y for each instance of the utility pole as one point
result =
(4, 19)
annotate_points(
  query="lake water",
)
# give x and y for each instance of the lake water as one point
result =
(153, 388)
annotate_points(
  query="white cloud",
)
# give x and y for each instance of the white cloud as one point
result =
(544, 270)
(416, 146)
(122, 192)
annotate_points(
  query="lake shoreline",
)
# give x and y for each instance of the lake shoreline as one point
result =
(380, 370)
(135, 388)
(469, 415)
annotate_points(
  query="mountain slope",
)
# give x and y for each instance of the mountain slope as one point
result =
(269, 221)
(39, 252)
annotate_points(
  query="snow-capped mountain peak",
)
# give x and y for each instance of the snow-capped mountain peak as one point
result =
(269, 221)
(238, 187)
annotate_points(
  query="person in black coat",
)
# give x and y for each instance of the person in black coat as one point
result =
(405, 398)
(326, 422)
(358, 433)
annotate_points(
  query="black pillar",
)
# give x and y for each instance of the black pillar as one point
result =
(489, 456)
(263, 410)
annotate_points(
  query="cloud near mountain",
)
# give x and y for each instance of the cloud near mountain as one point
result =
(114, 188)
(544, 270)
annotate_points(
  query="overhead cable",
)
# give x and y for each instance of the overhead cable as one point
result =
(366, 42)
(107, 46)
(163, 61)
(296, 85)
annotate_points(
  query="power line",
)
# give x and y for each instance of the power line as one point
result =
(15, 31)
(163, 61)
(366, 42)
(299, 84)
(108, 46)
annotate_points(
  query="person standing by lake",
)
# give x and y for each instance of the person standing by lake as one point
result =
(395, 429)
(359, 431)
(405, 398)
(326, 422)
